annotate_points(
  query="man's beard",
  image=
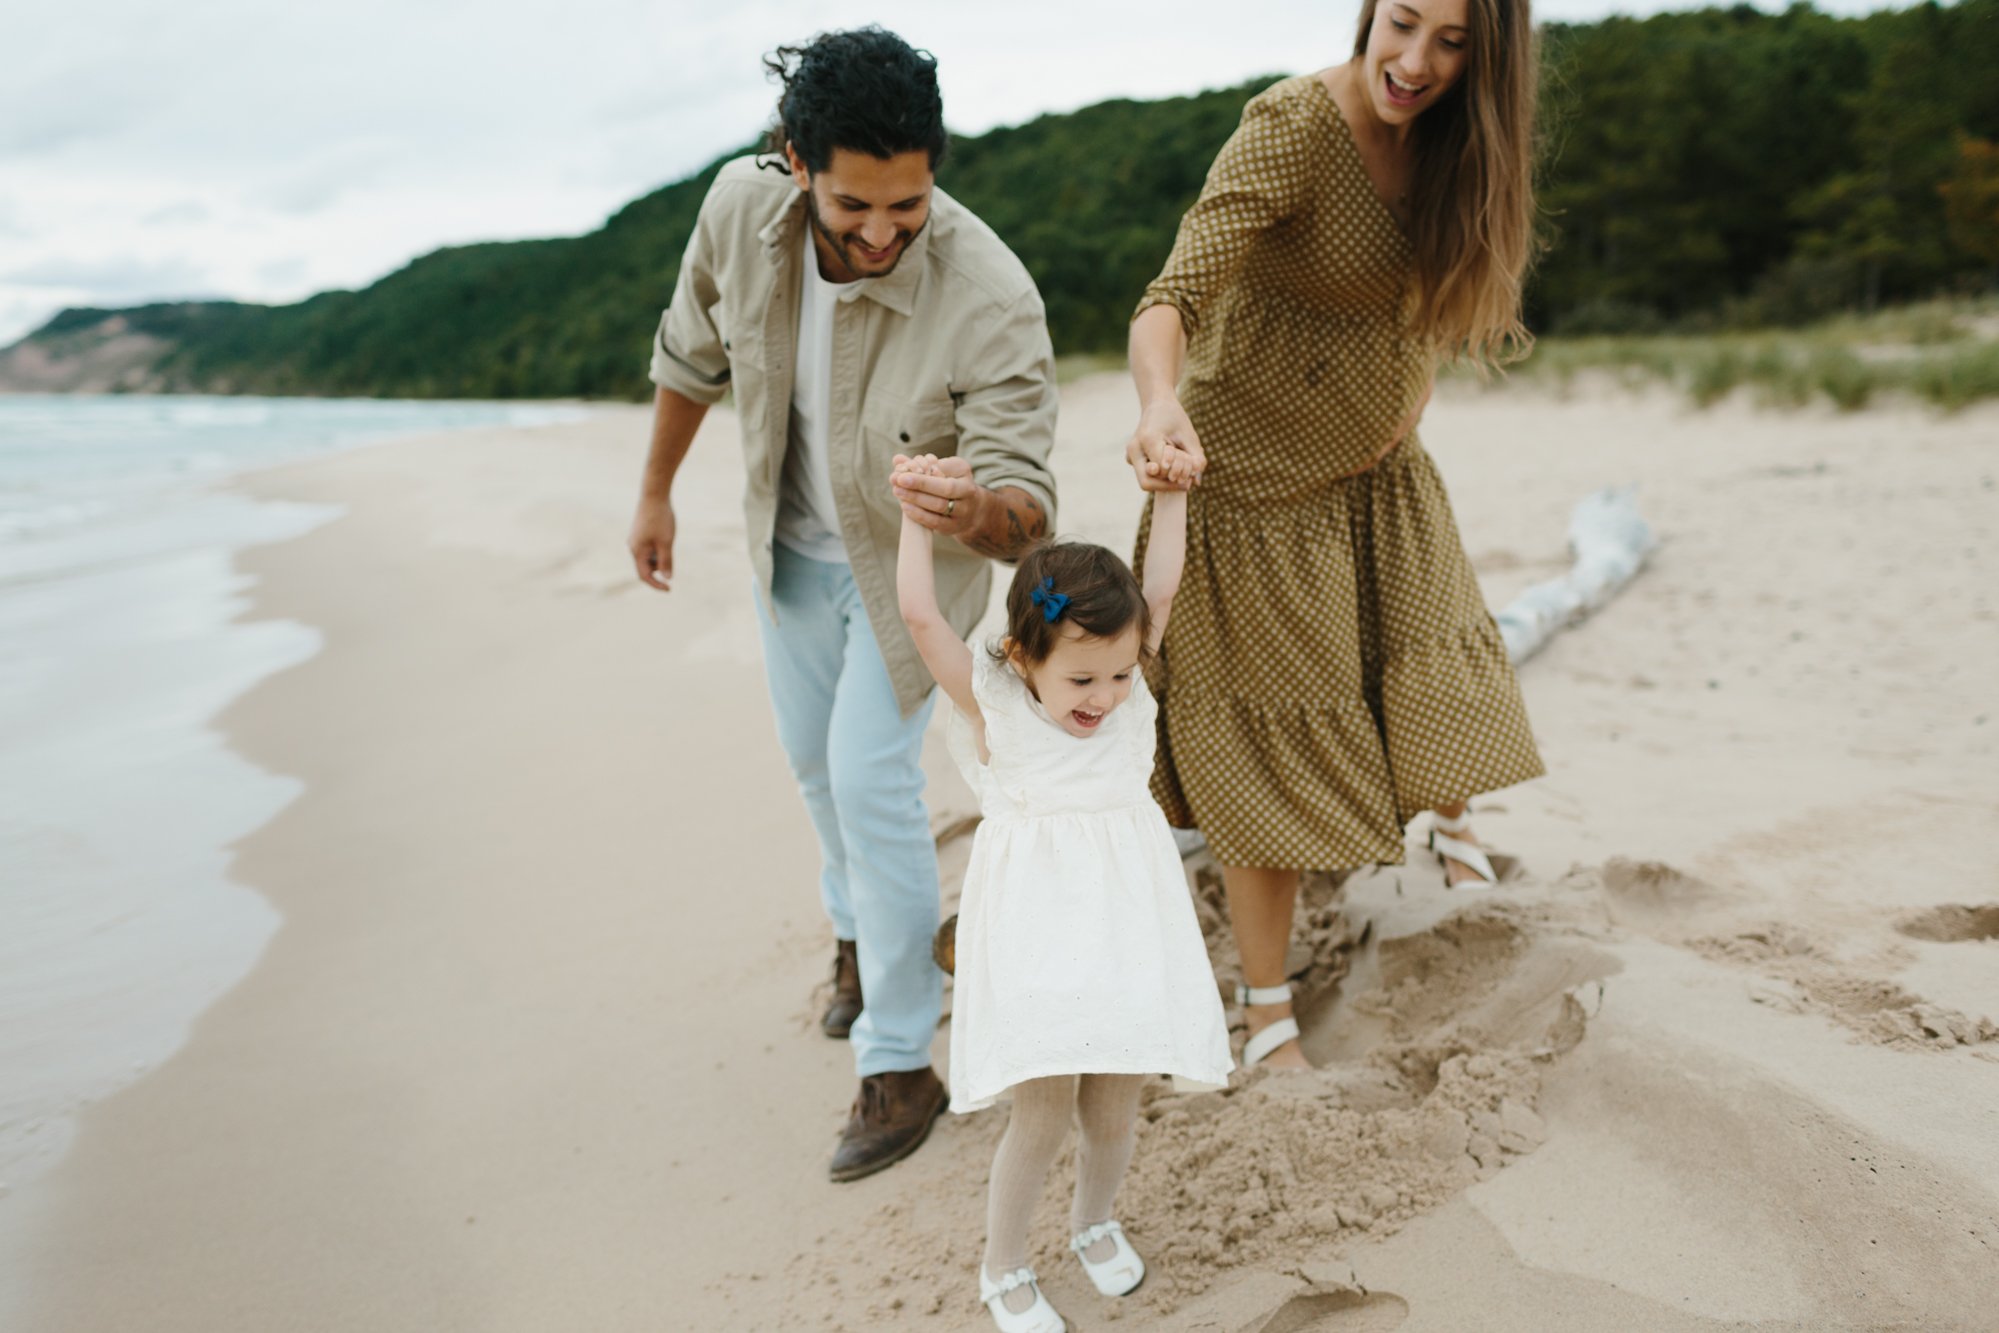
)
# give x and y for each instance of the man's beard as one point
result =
(845, 251)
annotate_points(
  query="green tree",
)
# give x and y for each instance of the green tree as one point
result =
(1971, 200)
(1720, 164)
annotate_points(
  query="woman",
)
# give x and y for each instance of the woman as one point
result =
(1332, 670)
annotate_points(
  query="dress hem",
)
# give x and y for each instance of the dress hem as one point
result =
(967, 1105)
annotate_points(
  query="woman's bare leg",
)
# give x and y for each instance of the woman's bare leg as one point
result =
(1261, 902)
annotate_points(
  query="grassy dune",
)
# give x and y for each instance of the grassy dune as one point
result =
(1945, 353)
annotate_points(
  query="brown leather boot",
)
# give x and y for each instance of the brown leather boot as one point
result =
(891, 1118)
(839, 1017)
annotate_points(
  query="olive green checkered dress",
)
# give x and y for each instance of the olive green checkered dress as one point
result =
(1330, 668)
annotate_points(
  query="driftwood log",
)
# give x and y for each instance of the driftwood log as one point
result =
(1609, 543)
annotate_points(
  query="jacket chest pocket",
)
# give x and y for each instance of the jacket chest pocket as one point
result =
(745, 348)
(892, 424)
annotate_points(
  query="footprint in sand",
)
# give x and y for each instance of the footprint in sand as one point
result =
(1803, 973)
(1335, 1312)
(1952, 924)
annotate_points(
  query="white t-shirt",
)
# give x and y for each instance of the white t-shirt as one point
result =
(807, 522)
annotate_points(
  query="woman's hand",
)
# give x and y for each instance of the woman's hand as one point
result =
(1165, 453)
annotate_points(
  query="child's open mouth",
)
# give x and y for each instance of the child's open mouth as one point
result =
(1085, 719)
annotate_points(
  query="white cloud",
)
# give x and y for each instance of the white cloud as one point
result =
(112, 277)
(285, 273)
(180, 213)
(317, 181)
(269, 151)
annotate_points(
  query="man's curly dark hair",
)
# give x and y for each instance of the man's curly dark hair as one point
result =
(865, 90)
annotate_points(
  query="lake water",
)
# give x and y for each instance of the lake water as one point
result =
(119, 643)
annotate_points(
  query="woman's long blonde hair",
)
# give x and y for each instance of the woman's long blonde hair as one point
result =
(1471, 194)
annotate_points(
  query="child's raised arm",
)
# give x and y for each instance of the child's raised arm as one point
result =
(1165, 557)
(949, 660)
(1166, 546)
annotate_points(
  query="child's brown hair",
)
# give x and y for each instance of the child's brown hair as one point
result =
(1081, 584)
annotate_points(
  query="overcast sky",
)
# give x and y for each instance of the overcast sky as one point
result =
(266, 151)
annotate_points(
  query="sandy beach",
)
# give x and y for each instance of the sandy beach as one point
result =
(533, 1047)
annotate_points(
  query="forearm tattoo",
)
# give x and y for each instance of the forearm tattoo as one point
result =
(1016, 523)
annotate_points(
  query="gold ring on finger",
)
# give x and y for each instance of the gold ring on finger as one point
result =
(950, 508)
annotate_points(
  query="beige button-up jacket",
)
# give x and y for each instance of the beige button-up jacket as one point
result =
(948, 354)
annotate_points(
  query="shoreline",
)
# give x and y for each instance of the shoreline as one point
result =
(124, 801)
(534, 1047)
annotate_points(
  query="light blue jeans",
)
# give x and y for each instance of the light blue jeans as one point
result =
(858, 762)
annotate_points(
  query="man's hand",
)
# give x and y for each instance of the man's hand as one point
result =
(1165, 453)
(939, 494)
(651, 543)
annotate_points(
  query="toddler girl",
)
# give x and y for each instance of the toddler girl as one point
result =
(1080, 967)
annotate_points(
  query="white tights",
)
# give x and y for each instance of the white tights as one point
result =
(1105, 1108)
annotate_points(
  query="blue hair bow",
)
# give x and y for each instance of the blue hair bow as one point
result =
(1052, 603)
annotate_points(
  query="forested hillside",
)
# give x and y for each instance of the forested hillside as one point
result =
(1721, 168)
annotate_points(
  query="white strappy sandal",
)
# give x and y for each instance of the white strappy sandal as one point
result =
(1469, 855)
(1039, 1317)
(1118, 1275)
(1269, 1039)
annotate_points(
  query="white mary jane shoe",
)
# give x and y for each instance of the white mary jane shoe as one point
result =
(1118, 1275)
(1039, 1317)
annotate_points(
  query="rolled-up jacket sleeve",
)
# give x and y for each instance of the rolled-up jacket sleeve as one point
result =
(1006, 405)
(688, 354)
(1253, 186)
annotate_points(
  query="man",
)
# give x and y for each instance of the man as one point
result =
(858, 312)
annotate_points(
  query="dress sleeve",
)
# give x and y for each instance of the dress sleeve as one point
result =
(992, 690)
(1142, 727)
(1257, 183)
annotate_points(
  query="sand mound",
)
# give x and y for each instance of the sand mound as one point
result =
(1951, 924)
(1646, 894)
(1287, 1164)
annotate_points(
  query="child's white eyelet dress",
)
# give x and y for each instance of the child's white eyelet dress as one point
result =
(1078, 951)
